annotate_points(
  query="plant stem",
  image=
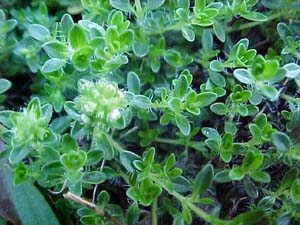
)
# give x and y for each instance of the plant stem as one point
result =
(253, 24)
(128, 132)
(139, 10)
(176, 27)
(169, 141)
(153, 212)
(289, 98)
(179, 142)
(185, 201)
(92, 206)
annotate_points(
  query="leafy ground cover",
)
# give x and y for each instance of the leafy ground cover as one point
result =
(150, 112)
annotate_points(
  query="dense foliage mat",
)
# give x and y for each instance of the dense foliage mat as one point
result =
(150, 112)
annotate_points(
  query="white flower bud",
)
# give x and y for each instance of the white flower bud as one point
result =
(115, 114)
(121, 94)
(90, 106)
(84, 118)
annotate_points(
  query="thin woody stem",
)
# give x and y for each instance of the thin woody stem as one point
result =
(91, 206)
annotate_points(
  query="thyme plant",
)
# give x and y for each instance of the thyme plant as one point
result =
(150, 112)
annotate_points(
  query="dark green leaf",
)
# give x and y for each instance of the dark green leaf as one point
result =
(29, 203)
(260, 176)
(4, 85)
(183, 124)
(94, 177)
(281, 141)
(237, 173)
(133, 83)
(39, 32)
(123, 5)
(133, 214)
(203, 180)
(219, 31)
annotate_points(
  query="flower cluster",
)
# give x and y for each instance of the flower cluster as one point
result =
(99, 102)
(29, 125)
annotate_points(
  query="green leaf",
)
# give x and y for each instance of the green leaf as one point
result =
(174, 104)
(271, 4)
(20, 173)
(93, 157)
(127, 158)
(180, 86)
(242, 110)
(81, 58)
(188, 34)
(281, 141)
(178, 220)
(173, 57)
(126, 39)
(47, 111)
(216, 65)
(141, 101)
(266, 203)
(103, 142)
(250, 188)
(28, 202)
(133, 83)
(203, 180)
(183, 124)
(18, 153)
(69, 145)
(133, 214)
(217, 79)
(219, 108)
(255, 131)
(250, 218)
(5, 117)
(66, 24)
(141, 47)
(53, 168)
(211, 133)
(154, 4)
(284, 31)
(187, 215)
(70, 108)
(56, 49)
(252, 161)
(289, 177)
(200, 4)
(52, 65)
(226, 147)
(243, 76)
(207, 40)
(295, 192)
(4, 85)
(94, 177)
(254, 16)
(237, 173)
(260, 176)
(123, 5)
(205, 99)
(219, 31)
(7, 26)
(269, 91)
(77, 37)
(222, 177)
(39, 32)
(230, 127)
(73, 160)
(292, 69)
